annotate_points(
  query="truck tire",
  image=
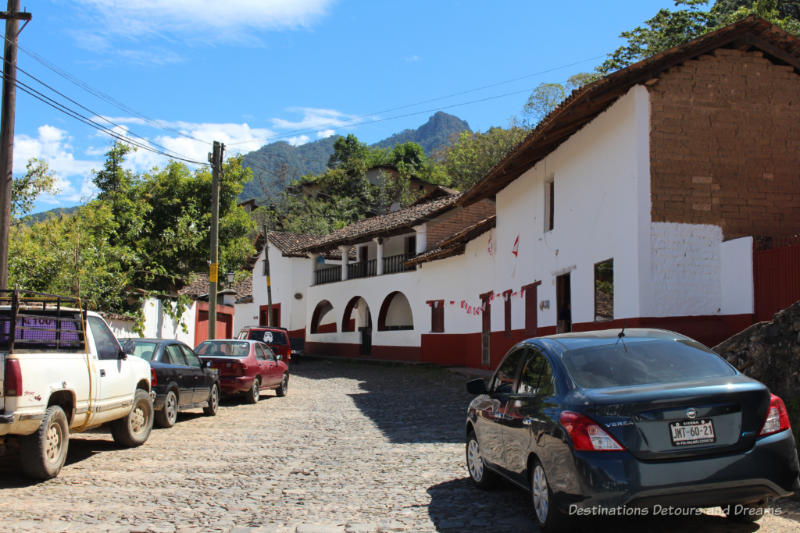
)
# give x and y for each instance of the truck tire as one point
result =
(43, 453)
(134, 429)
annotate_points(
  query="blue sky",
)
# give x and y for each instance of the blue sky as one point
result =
(249, 72)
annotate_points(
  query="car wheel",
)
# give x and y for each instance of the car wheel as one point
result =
(284, 387)
(545, 509)
(134, 429)
(167, 416)
(746, 513)
(213, 401)
(43, 454)
(254, 395)
(480, 475)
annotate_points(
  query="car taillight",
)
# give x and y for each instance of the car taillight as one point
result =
(777, 418)
(13, 378)
(587, 435)
(240, 368)
(153, 377)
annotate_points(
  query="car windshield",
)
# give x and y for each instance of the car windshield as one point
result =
(268, 337)
(223, 349)
(632, 362)
(144, 349)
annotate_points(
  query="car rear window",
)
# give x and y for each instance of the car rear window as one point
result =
(642, 362)
(269, 337)
(142, 349)
(223, 349)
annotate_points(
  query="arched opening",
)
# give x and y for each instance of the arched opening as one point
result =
(323, 319)
(356, 315)
(395, 313)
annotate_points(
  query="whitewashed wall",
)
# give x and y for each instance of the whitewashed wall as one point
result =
(601, 183)
(289, 276)
(122, 328)
(158, 324)
(245, 314)
(737, 276)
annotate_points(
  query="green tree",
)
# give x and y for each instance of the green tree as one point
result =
(472, 156)
(671, 28)
(38, 179)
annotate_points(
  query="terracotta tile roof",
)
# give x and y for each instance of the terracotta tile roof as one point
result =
(394, 223)
(198, 286)
(455, 244)
(584, 104)
(288, 242)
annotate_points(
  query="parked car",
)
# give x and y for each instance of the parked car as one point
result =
(246, 367)
(274, 337)
(62, 372)
(638, 418)
(179, 379)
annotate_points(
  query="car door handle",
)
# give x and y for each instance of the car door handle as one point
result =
(102, 372)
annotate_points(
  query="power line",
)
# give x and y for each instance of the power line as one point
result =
(96, 114)
(292, 133)
(105, 97)
(91, 123)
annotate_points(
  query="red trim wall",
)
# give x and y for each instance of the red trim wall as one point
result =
(297, 333)
(464, 349)
(224, 322)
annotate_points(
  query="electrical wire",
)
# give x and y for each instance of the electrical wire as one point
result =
(105, 97)
(91, 123)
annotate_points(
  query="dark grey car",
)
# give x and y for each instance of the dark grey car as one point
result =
(635, 419)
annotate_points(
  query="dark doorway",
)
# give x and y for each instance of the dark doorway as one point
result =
(363, 254)
(486, 330)
(366, 337)
(563, 303)
(276, 315)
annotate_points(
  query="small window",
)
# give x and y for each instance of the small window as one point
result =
(104, 341)
(604, 291)
(174, 355)
(549, 204)
(437, 316)
(506, 374)
(269, 352)
(260, 353)
(537, 376)
(191, 358)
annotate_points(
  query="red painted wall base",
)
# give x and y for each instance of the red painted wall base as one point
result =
(464, 349)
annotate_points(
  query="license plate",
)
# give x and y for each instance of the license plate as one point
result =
(690, 432)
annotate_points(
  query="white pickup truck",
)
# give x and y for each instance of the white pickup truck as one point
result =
(63, 371)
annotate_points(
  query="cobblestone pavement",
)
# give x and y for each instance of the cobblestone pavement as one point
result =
(352, 448)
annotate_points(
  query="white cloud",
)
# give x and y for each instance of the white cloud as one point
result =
(73, 175)
(325, 133)
(411, 59)
(316, 119)
(232, 20)
(297, 141)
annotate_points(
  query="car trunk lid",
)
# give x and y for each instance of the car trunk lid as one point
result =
(681, 420)
(227, 366)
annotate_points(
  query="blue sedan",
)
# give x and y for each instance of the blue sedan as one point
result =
(626, 422)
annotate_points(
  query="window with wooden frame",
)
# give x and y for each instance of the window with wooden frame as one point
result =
(437, 315)
(549, 204)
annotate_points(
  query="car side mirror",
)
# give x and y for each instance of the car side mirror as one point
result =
(477, 386)
(122, 355)
(279, 357)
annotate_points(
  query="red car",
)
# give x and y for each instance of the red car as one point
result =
(274, 337)
(245, 366)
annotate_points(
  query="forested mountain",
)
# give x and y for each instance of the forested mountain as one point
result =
(277, 164)
(433, 135)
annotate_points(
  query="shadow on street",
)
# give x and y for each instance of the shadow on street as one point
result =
(408, 403)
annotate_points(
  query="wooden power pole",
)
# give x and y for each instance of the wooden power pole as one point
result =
(215, 159)
(12, 18)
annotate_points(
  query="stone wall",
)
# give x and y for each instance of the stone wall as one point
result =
(770, 353)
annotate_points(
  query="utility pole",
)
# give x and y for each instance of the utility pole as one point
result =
(215, 159)
(269, 282)
(12, 18)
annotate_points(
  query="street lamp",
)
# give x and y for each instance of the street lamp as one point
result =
(231, 274)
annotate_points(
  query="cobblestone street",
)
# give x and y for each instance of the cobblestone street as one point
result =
(353, 447)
